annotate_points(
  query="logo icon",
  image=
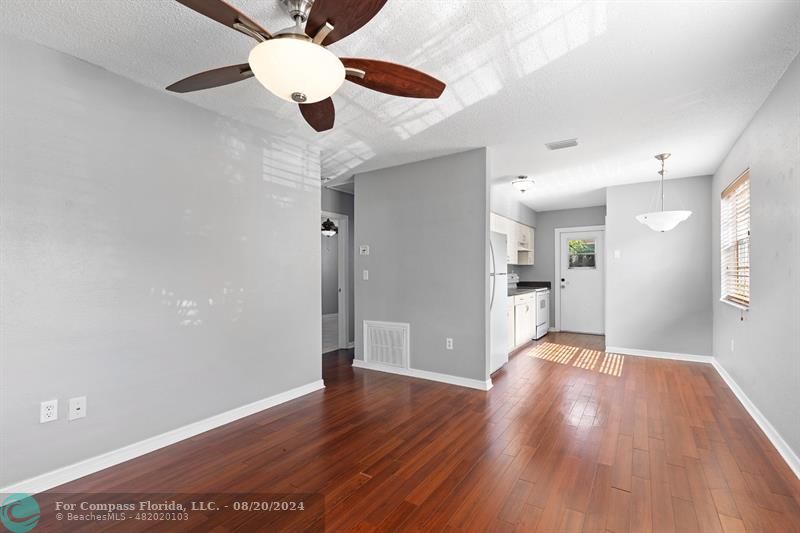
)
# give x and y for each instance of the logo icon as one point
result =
(19, 513)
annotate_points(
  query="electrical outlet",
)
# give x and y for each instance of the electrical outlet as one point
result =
(365, 275)
(448, 343)
(77, 407)
(731, 344)
(48, 411)
(363, 249)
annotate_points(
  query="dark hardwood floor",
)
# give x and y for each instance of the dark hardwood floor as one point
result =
(569, 439)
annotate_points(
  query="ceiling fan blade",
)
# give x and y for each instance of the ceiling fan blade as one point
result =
(391, 78)
(346, 16)
(226, 14)
(212, 78)
(319, 115)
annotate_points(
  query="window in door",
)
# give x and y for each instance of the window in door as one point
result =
(581, 253)
(735, 242)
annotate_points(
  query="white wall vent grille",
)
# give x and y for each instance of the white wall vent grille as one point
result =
(386, 343)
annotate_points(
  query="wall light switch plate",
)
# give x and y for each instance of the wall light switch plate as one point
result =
(77, 407)
(48, 411)
(617, 254)
(363, 249)
(365, 275)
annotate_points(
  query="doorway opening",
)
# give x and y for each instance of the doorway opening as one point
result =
(333, 260)
(580, 279)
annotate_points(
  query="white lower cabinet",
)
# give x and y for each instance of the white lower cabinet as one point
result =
(510, 323)
(524, 321)
(521, 321)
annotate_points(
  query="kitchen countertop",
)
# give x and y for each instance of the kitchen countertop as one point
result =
(522, 290)
(524, 287)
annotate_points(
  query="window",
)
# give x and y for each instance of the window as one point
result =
(735, 242)
(581, 253)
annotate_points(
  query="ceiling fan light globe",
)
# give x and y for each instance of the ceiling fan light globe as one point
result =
(291, 66)
(663, 220)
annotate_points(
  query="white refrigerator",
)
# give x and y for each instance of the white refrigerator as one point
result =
(498, 302)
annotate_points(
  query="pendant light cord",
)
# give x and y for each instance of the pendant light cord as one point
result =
(662, 184)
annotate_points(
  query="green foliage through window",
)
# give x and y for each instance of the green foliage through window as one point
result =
(581, 253)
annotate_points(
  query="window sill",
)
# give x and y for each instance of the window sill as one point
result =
(735, 305)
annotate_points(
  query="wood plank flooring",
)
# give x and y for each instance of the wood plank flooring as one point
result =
(569, 439)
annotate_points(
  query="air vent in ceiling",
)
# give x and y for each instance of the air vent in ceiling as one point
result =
(559, 145)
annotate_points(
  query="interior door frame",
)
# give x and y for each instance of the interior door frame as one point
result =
(343, 222)
(557, 274)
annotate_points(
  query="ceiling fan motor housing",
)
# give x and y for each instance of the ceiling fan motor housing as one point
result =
(298, 8)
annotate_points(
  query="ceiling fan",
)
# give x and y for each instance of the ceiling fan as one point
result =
(294, 64)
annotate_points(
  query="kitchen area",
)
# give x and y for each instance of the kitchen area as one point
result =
(519, 310)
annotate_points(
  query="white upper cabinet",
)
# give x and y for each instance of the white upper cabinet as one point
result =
(503, 225)
(497, 223)
(519, 239)
(524, 237)
(525, 245)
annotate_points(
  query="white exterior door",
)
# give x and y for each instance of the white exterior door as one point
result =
(581, 280)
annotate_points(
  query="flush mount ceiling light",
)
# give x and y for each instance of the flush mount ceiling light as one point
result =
(523, 184)
(294, 64)
(663, 220)
(329, 229)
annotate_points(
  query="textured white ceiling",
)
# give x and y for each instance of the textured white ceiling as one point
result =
(629, 79)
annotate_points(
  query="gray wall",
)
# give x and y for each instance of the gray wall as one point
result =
(765, 361)
(426, 225)
(342, 203)
(157, 258)
(658, 292)
(543, 268)
(330, 274)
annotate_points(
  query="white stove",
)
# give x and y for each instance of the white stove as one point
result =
(542, 312)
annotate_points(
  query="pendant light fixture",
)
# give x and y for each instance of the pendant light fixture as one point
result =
(329, 229)
(523, 184)
(663, 220)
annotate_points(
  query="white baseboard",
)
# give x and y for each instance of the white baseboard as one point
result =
(424, 374)
(77, 470)
(351, 345)
(660, 355)
(553, 330)
(769, 430)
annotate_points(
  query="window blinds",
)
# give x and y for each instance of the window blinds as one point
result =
(735, 241)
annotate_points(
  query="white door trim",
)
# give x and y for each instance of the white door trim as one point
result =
(342, 221)
(557, 273)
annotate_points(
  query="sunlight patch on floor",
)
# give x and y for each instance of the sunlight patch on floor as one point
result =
(557, 353)
(612, 364)
(585, 358)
